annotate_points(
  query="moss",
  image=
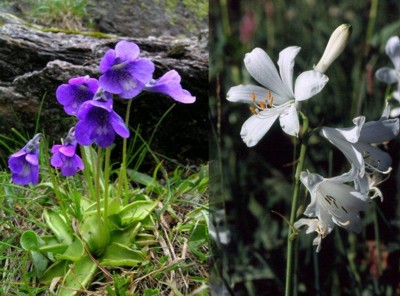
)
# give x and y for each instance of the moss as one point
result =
(98, 35)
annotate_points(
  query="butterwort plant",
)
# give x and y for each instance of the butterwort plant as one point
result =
(105, 224)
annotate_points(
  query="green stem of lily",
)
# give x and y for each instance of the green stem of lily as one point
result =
(122, 172)
(291, 247)
(377, 238)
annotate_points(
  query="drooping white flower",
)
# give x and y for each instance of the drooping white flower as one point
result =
(392, 75)
(357, 143)
(277, 98)
(332, 202)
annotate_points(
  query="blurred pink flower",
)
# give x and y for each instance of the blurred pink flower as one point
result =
(247, 27)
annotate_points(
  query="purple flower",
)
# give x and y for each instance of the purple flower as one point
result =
(170, 84)
(64, 156)
(98, 123)
(124, 73)
(77, 91)
(24, 164)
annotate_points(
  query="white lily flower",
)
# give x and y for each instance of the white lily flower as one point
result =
(391, 75)
(277, 97)
(356, 142)
(312, 225)
(332, 202)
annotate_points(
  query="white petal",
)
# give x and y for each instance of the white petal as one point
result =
(311, 181)
(343, 203)
(396, 96)
(311, 224)
(261, 67)
(257, 126)
(387, 75)
(350, 134)
(243, 94)
(374, 158)
(290, 121)
(308, 84)
(395, 112)
(349, 176)
(379, 131)
(351, 153)
(393, 51)
(286, 64)
(362, 184)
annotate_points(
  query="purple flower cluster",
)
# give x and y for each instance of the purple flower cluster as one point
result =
(123, 73)
(24, 164)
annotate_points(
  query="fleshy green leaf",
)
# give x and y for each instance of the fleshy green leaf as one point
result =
(78, 277)
(125, 236)
(74, 252)
(58, 226)
(94, 234)
(58, 269)
(53, 248)
(137, 211)
(30, 241)
(120, 255)
(40, 262)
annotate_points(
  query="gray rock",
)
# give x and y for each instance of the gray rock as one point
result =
(34, 63)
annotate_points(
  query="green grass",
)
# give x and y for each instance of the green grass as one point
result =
(65, 14)
(173, 238)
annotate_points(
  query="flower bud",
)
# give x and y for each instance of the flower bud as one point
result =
(335, 47)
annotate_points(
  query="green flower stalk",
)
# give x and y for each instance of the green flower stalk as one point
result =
(334, 48)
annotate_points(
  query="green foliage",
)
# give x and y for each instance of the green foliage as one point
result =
(74, 229)
(193, 7)
(198, 8)
(64, 14)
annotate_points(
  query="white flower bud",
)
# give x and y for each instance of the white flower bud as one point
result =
(334, 48)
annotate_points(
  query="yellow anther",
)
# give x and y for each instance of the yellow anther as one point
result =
(253, 97)
(261, 105)
(253, 110)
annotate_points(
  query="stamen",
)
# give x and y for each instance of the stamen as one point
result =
(253, 110)
(253, 97)
(261, 105)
